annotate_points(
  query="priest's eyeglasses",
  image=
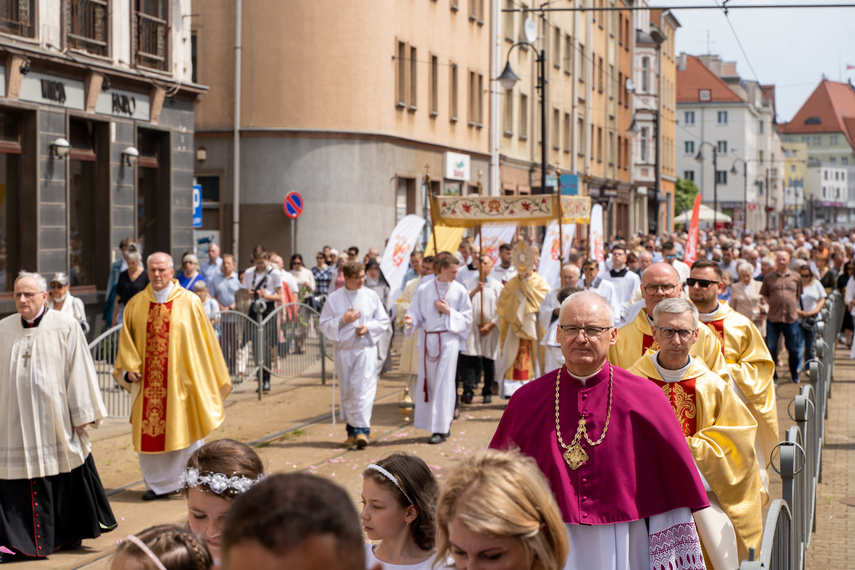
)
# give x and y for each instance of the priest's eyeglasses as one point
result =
(668, 334)
(24, 294)
(591, 332)
(667, 289)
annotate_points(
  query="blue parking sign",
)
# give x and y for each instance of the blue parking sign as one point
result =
(197, 205)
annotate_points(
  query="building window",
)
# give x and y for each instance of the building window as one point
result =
(600, 76)
(434, 86)
(721, 147)
(722, 117)
(645, 74)
(832, 159)
(844, 160)
(523, 116)
(760, 156)
(817, 140)
(11, 224)
(476, 10)
(480, 99)
(87, 26)
(689, 147)
(523, 18)
(509, 20)
(402, 75)
(583, 64)
(568, 135)
(689, 118)
(151, 34)
(721, 176)
(599, 144)
(508, 124)
(761, 127)
(194, 61)
(556, 48)
(832, 140)
(644, 142)
(689, 175)
(18, 17)
(452, 96)
(620, 86)
(414, 76)
(568, 54)
(556, 125)
(583, 144)
(154, 187)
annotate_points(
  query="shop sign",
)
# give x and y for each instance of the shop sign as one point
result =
(51, 90)
(569, 184)
(456, 166)
(125, 104)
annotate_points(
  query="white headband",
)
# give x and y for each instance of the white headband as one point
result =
(218, 482)
(147, 551)
(391, 478)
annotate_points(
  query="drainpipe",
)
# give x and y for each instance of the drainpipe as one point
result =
(236, 139)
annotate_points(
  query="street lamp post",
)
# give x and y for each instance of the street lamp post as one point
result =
(508, 79)
(745, 189)
(700, 158)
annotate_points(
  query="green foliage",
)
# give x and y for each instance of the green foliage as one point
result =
(684, 195)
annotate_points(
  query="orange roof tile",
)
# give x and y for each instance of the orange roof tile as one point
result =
(829, 109)
(697, 77)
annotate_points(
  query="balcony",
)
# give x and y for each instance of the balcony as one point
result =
(151, 41)
(17, 17)
(87, 27)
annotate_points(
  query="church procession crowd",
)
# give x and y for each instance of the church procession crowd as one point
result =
(639, 423)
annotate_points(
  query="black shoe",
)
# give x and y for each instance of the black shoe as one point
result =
(488, 399)
(71, 545)
(466, 398)
(456, 414)
(152, 496)
(437, 438)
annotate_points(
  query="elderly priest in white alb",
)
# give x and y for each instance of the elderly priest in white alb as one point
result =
(51, 496)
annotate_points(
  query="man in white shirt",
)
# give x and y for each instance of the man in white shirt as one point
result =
(669, 254)
(505, 271)
(592, 282)
(262, 282)
(211, 268)
(624, 281)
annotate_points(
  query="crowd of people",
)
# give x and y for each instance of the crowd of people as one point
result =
(659, 363)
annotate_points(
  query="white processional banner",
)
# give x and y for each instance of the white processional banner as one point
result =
(550, 262)
(596, 240)
(495, 235)
(396, 258)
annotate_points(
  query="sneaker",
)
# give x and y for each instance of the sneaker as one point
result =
(361, 441)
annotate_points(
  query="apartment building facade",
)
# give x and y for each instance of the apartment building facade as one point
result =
(96, 106)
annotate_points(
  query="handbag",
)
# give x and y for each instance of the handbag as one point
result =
(807, 323)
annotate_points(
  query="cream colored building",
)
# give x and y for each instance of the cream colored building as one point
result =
(349, 104)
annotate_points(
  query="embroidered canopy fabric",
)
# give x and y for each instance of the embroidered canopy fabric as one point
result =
(470, 211)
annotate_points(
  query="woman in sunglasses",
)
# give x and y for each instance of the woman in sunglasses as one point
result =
(811, 302)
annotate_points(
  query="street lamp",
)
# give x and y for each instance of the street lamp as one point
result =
(700, 158)
(508, 79)
(745, 191)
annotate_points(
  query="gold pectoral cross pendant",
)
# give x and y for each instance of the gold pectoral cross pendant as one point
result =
(575, 456)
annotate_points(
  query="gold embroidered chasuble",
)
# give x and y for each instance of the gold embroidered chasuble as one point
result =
(517, 308)
(751, 369)
(720, 432)
(635, 339)
(179, 399)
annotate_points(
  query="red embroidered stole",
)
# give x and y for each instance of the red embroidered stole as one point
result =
(717, 327)
(681, 395)
(647, 342)
(155, 374)
(522, 363)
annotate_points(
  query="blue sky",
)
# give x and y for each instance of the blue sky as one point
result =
(790, 48)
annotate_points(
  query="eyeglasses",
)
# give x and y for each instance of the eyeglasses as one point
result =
(805, 274)
(653, 289)
(591, 332)
(296, 263)
(668, 334)
(320, 257)
(702, 283)
(56, 286)
(670, 256)
(591, 268)
(24, 294)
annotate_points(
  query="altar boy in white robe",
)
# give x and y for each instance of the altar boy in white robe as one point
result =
(354, 320)
(442, 311)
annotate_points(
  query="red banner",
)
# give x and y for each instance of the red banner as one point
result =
(691, 254)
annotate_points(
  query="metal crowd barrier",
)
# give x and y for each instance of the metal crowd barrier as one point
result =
(792, 519)
(286, 343)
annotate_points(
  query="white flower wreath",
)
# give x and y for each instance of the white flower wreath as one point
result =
(219, 483)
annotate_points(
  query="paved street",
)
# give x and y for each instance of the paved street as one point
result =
(293, 431)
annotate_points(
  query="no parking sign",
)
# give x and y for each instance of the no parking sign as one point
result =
(293, 205)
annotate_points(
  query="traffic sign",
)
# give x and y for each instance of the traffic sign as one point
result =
(293, 205)
(197, 205)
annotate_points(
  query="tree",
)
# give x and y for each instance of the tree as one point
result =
(684, 195)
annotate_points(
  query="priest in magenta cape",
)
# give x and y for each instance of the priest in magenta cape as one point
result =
(627, 478)
(170, 361)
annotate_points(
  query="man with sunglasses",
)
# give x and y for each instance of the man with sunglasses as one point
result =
(748, 360)
(611, 448)
(712, 417)
(658, 283)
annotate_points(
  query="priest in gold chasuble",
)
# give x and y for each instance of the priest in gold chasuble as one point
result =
(660, 281)
(518, 308)
(748, 360)
(170, 361)
(719, 430)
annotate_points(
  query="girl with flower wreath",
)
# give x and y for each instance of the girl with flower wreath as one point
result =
(216, 473)
(398, 501)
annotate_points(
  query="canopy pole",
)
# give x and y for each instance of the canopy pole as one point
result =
(560, 224)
